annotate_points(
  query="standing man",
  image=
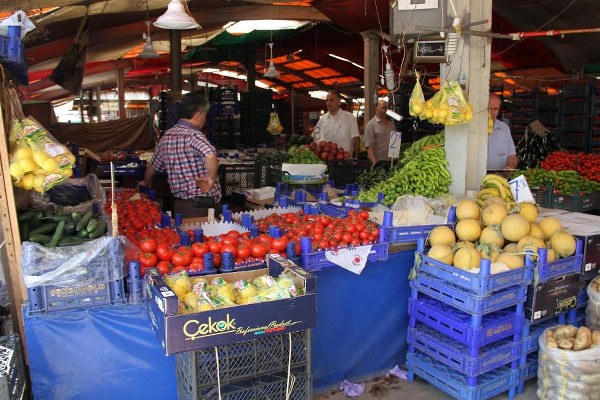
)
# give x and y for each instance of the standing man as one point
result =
(190, 160)
(501, 148)
(377, 134)
(337, 126)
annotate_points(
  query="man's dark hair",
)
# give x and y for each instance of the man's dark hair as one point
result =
(335, 93)
(193, 102)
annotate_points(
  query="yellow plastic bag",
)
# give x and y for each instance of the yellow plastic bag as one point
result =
(274, 127)
(416, 103)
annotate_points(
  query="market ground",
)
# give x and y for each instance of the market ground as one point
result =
(392, 388)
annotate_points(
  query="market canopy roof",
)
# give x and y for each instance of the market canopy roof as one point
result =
(116, 38)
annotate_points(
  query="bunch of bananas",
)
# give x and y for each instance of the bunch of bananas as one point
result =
(493, 185)
(448, 106)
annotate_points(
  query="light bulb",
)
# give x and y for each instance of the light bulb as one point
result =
(389, 76)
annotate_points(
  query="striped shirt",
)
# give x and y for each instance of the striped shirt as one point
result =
(182, 153)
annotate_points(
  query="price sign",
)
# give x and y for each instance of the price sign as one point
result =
(317, 134)
(394, 146)
(520, 189)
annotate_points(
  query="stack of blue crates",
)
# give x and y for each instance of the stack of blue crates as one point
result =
(465, 328)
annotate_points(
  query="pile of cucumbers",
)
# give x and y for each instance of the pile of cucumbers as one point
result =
(52, 228)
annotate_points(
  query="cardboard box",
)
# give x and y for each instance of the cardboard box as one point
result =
(187, 332)
(552, 297)
(587, 228)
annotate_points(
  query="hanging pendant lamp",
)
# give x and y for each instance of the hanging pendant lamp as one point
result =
(148, 50)
(271, 71)
(176, 17)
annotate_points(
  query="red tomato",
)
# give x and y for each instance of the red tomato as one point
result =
(199, 249)
(259, 250)
(279, 244)
(217, 260)
(229, 248)
(148, 245)
(243, 252)
(214, 246)
(148, 260)
(163, 267)
(183, 257)
(164, 252)
(177, 269)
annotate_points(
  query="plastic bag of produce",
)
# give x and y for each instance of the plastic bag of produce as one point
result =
(566, 373)
(274, 127)
(78, 194)
(416, 103)
(96, 262)
(457, 109)
(593, 309)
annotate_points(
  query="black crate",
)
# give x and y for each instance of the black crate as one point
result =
(238, 177)
(577, 124)
(549, 118)
(573, 90)
(547, 102)
(270, 386)
(272, 175)
(197, 371)
(574, 140)
(345, 172)
(576, 107)
(12, 368)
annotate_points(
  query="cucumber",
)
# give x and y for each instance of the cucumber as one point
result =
(91, 225)
(100, 229)
(26, 216)
(36, 220)
(58, 210)
(57, 234)
(76, 215)
(39, 238)
(82, 234)
(58, 218)
(69, 227)
(82, 223)
(72, 241)
(46, 227)
(23, 230)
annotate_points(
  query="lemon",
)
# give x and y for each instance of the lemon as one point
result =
(49, 165)
(38, 188)
(18, 183)
(38, 180)
(180, 288)
(23, 152)
(39, 157)
(16, 171)
(27, 164)
(71, 158)
(27, 182)
(67, 173)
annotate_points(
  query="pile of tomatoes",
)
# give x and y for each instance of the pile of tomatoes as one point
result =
(134, 215)
(587, 165)
(326, 233)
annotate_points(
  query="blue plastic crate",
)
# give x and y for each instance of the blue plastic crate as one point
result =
(563, 266)
(577, 316)
(481, 283)
(332, 210)
(530, 338)
(458, 325)
(529, 371)
(582, 298)
(469, 361)
(454, 384)
(465, 300)
(408, 234)
(316, 260)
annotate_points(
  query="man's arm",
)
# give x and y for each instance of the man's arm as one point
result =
(512, 161)
(355, 146)
(371, 155)
(149, 176)
(206, 183)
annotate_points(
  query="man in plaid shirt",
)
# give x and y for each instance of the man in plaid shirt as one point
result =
(190, 160)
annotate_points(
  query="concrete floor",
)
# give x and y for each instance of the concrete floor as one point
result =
(392, 388)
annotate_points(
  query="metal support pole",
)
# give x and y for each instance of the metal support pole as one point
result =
(175, 43)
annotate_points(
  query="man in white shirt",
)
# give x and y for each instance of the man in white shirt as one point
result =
(377, 134)
(337, 126)
(501, 147)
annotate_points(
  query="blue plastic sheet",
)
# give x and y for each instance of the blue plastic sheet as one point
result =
(98, 353)
(362, 321)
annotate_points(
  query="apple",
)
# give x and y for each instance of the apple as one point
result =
(324, 156)
(346, 155)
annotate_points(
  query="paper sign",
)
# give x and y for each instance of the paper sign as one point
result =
(520, 189)
(394, 146)
(353, 259)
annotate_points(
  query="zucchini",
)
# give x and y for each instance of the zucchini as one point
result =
(57, 234)
(82, 234)
(72, 241)
(69, 227)
(100, 229)
(47, 212)
(39, 238)
(46, 227)
(91, 225)
(82, 223)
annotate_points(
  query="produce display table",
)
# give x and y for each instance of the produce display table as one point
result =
(111, 352)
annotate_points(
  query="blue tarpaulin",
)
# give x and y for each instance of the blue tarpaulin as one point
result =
(111, 352)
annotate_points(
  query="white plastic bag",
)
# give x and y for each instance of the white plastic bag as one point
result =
(592, 320)
(567, 374)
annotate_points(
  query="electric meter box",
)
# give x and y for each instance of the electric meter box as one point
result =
(407, 14)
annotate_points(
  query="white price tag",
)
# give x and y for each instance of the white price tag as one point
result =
(394, 146)
(520, 189)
